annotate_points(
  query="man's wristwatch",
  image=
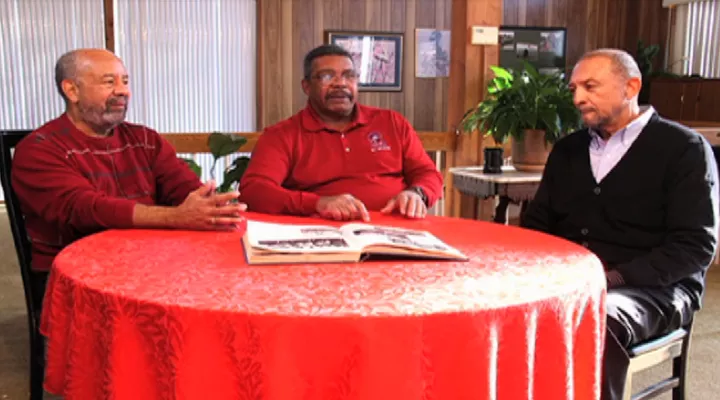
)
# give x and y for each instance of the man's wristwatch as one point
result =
(420, 192)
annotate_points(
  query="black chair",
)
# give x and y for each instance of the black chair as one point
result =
(33, 282)
(673, 346)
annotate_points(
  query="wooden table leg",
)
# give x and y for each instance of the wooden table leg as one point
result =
(501, 211)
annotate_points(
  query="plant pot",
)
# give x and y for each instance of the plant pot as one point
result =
(530, 153)
(493, 160)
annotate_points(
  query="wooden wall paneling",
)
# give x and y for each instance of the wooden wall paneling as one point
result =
(408, 64)
(690, 101)
(687, 99)
(400, 102)
(443, 20)
(593, 24)
(424, 101)
(109, 16)
(304, 39)
(556, 12)
(259, 65)
(277, 33)
(631, 13)
(709, 98)
(577, 31)
(511, 12)
(375, 20)
(469, 75)
(666, 97)
(332, 16)
(535, 12)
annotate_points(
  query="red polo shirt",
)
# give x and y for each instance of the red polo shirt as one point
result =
(300, 159)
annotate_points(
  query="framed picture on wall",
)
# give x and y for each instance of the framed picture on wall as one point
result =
(432, 57)
(378, 57)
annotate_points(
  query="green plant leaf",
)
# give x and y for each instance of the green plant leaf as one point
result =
(193, 166)
(234, 173)
(223, 144)
(502, 73)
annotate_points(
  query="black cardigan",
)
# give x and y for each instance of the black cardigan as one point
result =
(654, 217)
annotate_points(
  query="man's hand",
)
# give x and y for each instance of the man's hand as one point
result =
(342, 207)
(205, 210)
(409, 203)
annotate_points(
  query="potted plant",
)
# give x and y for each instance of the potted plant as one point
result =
(645, 59)
(533, 109)
(221, 145)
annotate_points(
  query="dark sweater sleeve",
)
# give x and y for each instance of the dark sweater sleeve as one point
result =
(47, 185)
(539, 214)
(174, 178)
(261, 185)
(691, 222)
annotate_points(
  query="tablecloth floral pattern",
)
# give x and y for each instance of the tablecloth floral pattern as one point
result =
(152, 314)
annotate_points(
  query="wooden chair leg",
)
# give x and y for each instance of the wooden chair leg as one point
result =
(680, 370)
(627, 392)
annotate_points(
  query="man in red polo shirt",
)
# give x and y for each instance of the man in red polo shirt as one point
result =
(337, 158)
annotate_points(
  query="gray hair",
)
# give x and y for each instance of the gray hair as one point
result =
(66, 68)
(321, 51)
(622, 62)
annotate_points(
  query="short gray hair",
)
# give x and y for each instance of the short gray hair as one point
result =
(622, 62)
(66, 68)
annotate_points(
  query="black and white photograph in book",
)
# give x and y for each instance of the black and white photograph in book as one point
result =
(316, 243)
(386, 232)
(320, 231)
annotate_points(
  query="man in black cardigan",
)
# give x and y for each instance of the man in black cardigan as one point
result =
(640, 192)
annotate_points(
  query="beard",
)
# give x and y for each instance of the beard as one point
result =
(599, 121)
(104, 118)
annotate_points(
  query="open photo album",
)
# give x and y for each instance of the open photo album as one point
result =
(271, 243)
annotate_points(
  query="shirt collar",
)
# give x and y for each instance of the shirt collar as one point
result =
(311, 120)
(631, 131)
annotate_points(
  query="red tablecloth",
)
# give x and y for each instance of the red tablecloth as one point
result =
(142, 314)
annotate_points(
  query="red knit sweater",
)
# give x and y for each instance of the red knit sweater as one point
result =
(298, 160)
(70, 185)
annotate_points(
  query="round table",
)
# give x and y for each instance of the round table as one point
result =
(159, 314)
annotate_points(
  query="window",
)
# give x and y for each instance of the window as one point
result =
(191, 66)
(191, 63)
(695, 39)
(34, 35)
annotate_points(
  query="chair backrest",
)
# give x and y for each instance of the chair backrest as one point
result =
(8, 141)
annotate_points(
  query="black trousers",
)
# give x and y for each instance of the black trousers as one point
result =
(634, 315)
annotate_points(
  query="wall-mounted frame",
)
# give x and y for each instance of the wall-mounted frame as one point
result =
(432, 53)
(543, 47)
(377, 56)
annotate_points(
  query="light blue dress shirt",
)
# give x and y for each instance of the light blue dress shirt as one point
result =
(605, 154)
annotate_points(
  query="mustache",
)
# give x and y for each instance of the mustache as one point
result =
(338, 93)
(113, 101)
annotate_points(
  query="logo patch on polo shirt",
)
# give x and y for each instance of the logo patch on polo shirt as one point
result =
(377, 143)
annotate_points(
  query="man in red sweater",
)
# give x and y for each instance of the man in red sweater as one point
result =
(87, 170)
(337, 158)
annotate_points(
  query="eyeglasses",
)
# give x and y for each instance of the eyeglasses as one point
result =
(329, 76)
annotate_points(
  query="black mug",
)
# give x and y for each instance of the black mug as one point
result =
(493, 160)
